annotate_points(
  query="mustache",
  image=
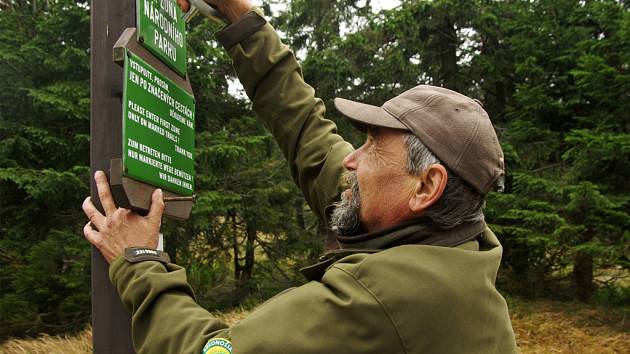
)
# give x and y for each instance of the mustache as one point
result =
(345, 218)
(349, 179)
(351, 182)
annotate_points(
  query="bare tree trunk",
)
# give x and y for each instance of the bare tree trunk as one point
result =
(583, 276)
(299, 214)
(497, 92)
(583, 272)
(237, 265)
(248, 267)
(448, 54)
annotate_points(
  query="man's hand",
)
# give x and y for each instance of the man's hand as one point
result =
(232, 9)
(121, 228)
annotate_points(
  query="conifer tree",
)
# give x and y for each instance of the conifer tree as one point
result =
(44, 123)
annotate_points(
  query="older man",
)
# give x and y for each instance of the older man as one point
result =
(416, 264)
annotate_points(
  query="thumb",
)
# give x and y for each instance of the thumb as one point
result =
(157, 205)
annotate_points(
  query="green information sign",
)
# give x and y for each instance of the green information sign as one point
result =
(158, 129)
(162, 30)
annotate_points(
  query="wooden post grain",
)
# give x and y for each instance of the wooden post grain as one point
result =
(111, 323)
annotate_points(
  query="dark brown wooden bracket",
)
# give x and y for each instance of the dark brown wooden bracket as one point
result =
(129, 193)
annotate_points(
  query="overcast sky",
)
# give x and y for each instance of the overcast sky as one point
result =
(376, 4)
(384, 4)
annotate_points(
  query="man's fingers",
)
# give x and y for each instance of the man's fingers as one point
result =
(93, 236)
(104, 194)
(93, 214)
(184, 5)
(157, 205)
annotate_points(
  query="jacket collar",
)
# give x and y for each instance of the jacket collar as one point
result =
(418, 231)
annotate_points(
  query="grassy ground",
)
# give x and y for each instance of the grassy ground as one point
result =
(543, 327)
(80, 344)
(555, 327)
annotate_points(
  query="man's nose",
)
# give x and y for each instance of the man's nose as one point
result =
(350, 161)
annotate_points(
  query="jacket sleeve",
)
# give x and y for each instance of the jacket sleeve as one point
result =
(273, 81)
(337, 315)
(164, 315)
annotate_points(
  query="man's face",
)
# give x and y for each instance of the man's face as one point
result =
(380, 186)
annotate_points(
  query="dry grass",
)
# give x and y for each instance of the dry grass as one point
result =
(82, 343)
(45, 344)
(231, 317)
(545, 327)
(541, 327)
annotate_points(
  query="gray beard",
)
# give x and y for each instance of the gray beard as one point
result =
(345, 219)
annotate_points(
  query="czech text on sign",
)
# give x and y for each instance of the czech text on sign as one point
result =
(162, 30)
(158, 129)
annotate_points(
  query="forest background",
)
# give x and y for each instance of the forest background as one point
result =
(554, 76)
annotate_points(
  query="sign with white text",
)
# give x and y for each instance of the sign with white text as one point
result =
(162, 30)
(158, 128)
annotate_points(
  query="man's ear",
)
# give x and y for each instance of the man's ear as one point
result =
(429, 188)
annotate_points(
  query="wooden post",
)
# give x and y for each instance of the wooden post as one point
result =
(111, 323)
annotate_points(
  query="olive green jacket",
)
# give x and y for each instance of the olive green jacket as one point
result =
(413, 298)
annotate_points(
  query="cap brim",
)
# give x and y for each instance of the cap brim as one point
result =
(363, 115)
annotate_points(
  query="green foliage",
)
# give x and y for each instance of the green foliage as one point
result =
(44, 123)
(554, 78)
(553, 75)
(567, 122)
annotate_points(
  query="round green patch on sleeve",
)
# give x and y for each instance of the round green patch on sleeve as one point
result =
(217, 346)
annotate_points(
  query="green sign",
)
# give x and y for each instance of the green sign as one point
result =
(158, 129)
(162, 30)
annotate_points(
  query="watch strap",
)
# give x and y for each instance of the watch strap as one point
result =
(140, 254)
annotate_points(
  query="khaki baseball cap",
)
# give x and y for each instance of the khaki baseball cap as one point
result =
(454, 127)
